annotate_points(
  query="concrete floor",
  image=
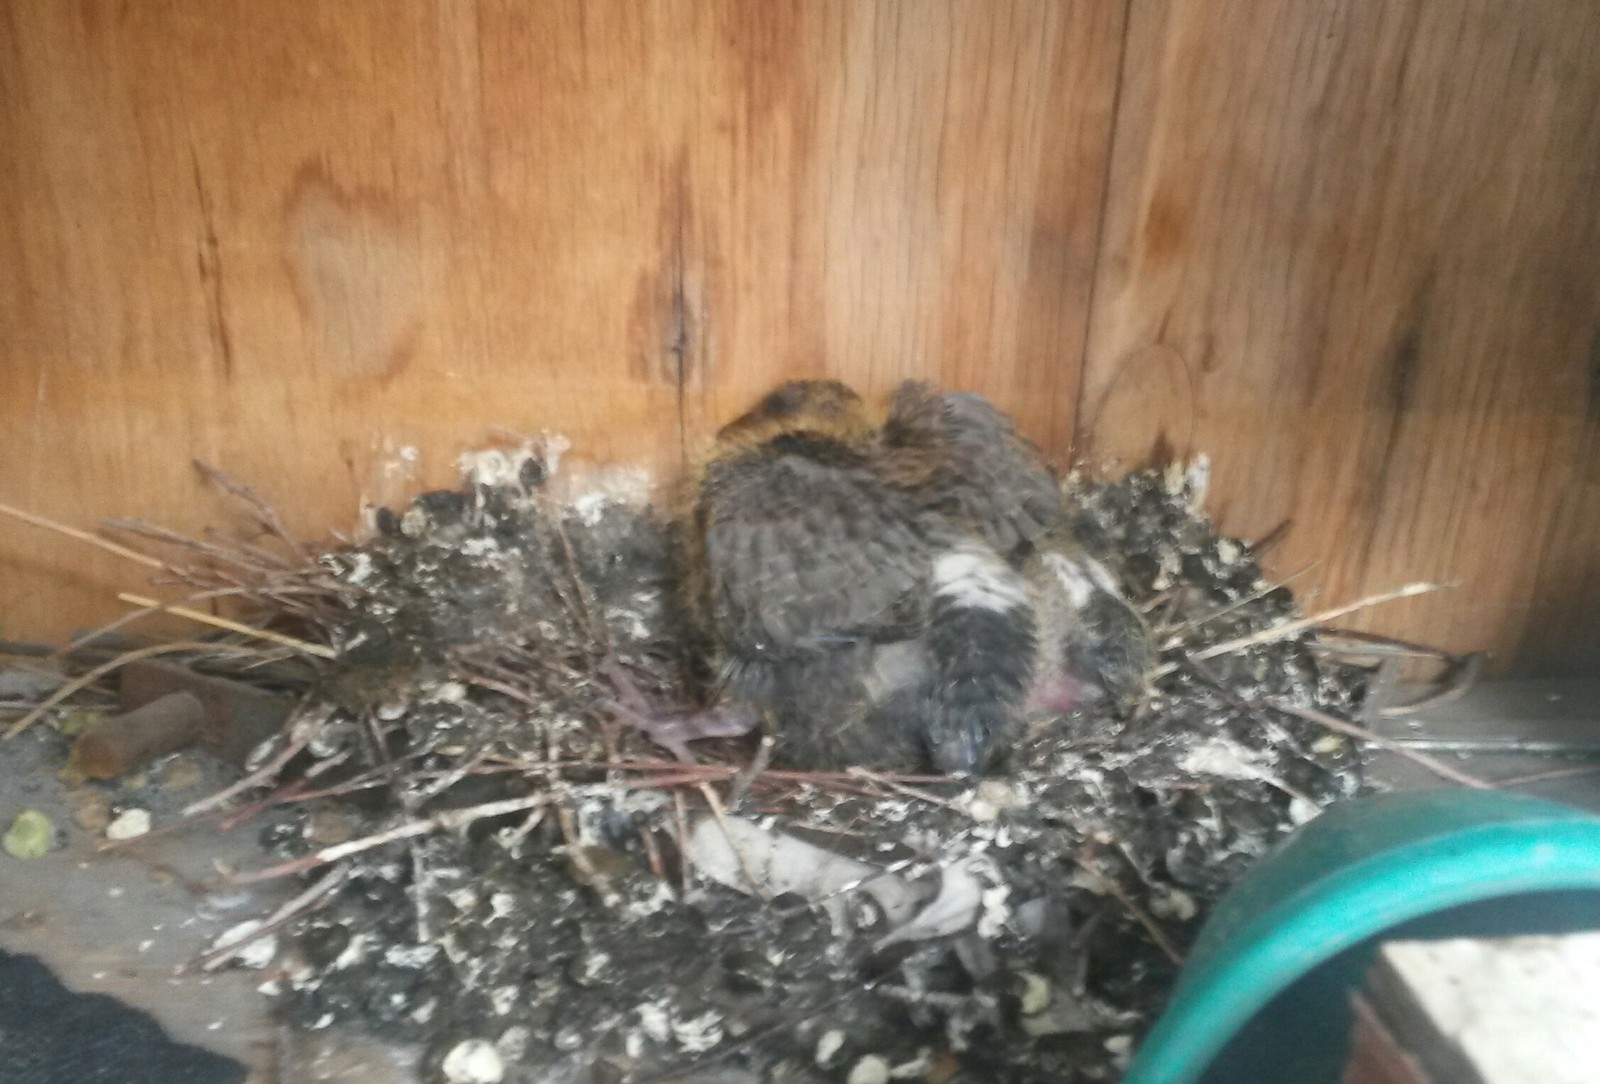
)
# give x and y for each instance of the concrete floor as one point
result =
(125, 924)
(1544, 736)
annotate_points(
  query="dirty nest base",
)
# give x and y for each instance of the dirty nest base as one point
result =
(632, 918)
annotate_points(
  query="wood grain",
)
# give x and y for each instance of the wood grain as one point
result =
(1351, 253)
(1349, 249)
(913, 190)
(329, 245)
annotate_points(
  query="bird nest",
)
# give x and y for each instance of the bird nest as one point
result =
(489, 859)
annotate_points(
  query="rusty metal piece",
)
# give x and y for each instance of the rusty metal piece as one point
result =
(126, 742)
(236, 717)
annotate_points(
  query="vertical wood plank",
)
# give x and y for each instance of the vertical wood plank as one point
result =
(1353, 251)
(906, 189)
(328, 245)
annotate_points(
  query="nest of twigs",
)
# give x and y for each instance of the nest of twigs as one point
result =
(488, 860)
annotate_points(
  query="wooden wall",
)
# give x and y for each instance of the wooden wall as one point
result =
(1350, 249)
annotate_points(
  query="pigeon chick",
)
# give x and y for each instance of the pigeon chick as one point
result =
(875, 590)
(1094, 648)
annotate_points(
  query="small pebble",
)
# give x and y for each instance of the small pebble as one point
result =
(474, 1061)
(1035, 994)
(871, 1069)
(257, 953)
(513, 1043)
(75, 722)
(1174, 903)
(31, 835)
(93, 815)
(182, 773)
(130, 824)
(827, 1046)
(327, 827)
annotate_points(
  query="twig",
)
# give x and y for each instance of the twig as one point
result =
(652, 851)
(1115, 891)
(747, 775)
(579, 857)
(721, 815)
(1554, 773)
(680, 817)
(242, 548)
(419, 892)
(438, 822)
(109, 627)
(597, 629)
(1270, 539)
(1290, 628)
(1344, 726)
(83, 681)
(222, 951)
(297, 739)
(1175, 634)
(233, 626)
(502, 688)
(265, 513)
(520, 832)
(168, 537)
(84, 536)
(909, 792)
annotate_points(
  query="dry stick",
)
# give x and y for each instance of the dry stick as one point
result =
(156, 833)
(243, 547)
(721, 814)
(1540, 777)
(520, 832)
(134, 615)
(168, 537)
(222, 950)
(653, 852)
(271, 768)
(233, 626)
(1270, 539)
(909, 792)
(597, 629)
(500, 687)
(747, 775)
(680, 818)
(438, 822)
(290, 794)
(588, 873)
(667, 780)
(84, 536)
(1290, 628)
(1175, 636)
(1344, 726)
(1156, 934)
(675, 773)
(83, 681)
(267, 514)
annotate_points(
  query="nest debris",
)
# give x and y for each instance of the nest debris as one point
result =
(494, 864)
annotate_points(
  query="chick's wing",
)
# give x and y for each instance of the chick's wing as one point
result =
(806, 547)
(961, 459)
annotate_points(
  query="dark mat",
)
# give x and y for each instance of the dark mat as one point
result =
(50, 1035)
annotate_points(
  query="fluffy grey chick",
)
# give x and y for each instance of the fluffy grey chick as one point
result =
(888, 594)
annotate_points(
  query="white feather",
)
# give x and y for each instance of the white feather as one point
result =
(978, 579)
